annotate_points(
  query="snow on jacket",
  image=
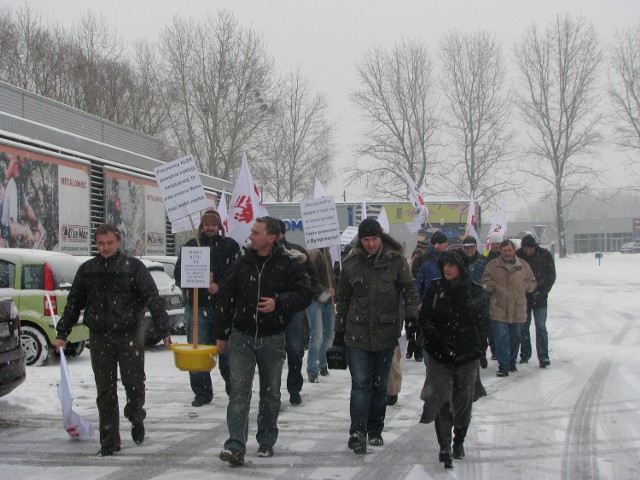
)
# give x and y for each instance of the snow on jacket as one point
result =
(544, 269)
(223, 251)
(280, 276)
(368, 297)
(113, 293)
(453, 316)
(508, 283)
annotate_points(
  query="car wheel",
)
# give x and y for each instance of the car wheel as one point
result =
(74, 349)
(35, 346)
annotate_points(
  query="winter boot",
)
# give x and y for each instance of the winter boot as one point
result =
(443, 432)
(458, 442)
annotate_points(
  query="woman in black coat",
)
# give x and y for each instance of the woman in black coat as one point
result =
(451, 319)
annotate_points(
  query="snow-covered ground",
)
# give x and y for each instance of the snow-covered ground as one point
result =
(578, 419)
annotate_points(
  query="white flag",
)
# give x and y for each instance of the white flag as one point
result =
(422, 212)
(223, 210)
(499, 225)
(78, 427)
(383, 220)
(318, 189)
(363, 211)
(245, 205)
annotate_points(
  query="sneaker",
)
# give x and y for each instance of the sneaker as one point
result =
(375, 439)
(545, 363)
(512, 368)
(233, 456)
(107, 451)
(392, 399)
(137, 432)
(265, 450)
(408, 355)
(418, 357)
(313, 378)
(524, 360)
(502, 372)
(295, 399)
(324, 371)
(357, 444)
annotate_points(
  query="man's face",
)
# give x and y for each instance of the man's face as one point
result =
(371, 244)
(441, 247)
(470, 251)
(528, 251)
(107, 244)
(495, 247)
(261, 241)
(508, 252)
(210, 227)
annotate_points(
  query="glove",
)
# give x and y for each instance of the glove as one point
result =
(411, 327)
(338, 339)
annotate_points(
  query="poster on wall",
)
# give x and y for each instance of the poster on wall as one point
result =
(44, 201)
(134, 205)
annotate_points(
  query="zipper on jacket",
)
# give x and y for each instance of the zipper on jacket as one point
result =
(259, 286)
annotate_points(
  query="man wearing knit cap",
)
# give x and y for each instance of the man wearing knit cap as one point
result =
(375, 275)
(541, 262)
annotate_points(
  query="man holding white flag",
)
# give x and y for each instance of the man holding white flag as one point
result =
(245, 204)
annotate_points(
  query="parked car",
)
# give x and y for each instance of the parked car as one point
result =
(38, 281)
(13, 368)
(167, 261)
(631, 247)
(172, 296)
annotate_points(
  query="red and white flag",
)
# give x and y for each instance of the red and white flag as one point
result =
(471, 220)
(499, 225)
(245, 205)
(222, 210)
(422, 212)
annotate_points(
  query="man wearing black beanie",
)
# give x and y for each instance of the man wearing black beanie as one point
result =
(375, 275)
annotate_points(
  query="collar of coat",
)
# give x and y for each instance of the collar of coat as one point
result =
(390, 248)
(516, 265)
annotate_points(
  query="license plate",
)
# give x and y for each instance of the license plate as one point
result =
(4, 329)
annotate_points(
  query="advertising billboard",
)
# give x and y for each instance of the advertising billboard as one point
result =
(44, 201)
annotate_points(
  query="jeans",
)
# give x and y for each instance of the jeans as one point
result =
(542, 338)
(294, 335)
(369, 377)
(506, 342)
(245, 352)
(201, 381)
(109, 351)
(321, 317)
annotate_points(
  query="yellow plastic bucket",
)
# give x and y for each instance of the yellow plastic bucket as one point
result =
(187, 358)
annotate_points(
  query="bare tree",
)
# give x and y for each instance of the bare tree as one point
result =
(624, 90)
(220, 82)
(397, 100)
(560, 70)
(473, 82)
(297, 147)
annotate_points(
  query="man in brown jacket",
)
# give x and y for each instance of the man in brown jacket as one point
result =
(507, 279)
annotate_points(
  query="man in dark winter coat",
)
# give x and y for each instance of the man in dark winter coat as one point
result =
(294, 333)
(257, 298)
(541, 262)
(113, 289)
(222, 253)
(451, 318)
(374, 277)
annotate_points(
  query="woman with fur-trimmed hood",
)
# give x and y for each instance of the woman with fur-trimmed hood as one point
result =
(374, 276)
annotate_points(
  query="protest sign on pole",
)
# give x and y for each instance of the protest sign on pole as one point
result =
(348, 235)
(181, 188)
(195, 267)
(320, 220)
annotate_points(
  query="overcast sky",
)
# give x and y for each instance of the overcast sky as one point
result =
(327, 37)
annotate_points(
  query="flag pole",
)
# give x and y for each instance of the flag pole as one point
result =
(195, 294)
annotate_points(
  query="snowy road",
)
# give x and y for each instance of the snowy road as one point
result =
(577, 419)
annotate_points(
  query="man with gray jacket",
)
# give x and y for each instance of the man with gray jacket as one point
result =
(374, 277)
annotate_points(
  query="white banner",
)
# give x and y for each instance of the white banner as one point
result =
(195, 267)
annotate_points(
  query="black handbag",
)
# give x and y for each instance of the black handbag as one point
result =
(337, 358)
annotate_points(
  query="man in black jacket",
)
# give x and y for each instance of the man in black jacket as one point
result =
(541, 262)
(222, 253)
(113, 290)
(256, 300)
